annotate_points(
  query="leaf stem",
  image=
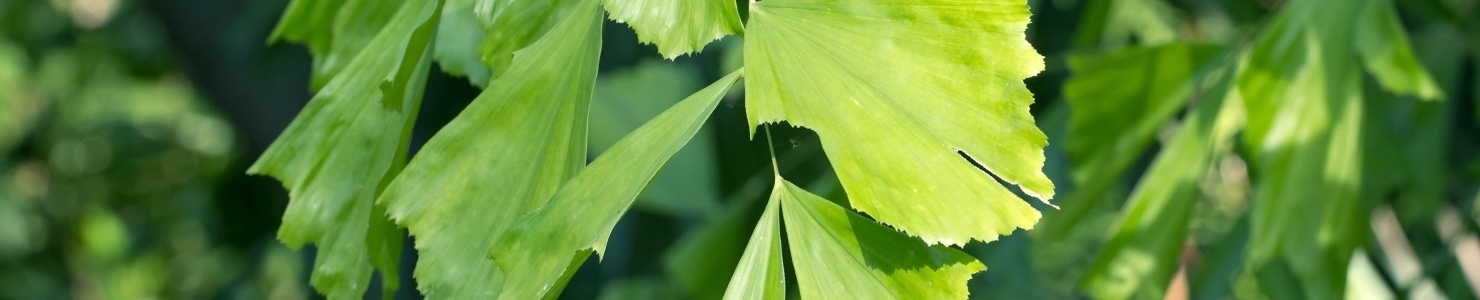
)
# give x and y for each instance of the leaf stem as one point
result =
(771, 146)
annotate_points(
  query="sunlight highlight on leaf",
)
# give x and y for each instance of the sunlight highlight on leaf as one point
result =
(895, 89)
(677, 27)
(838, 254)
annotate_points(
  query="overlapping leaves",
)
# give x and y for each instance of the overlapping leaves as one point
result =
(369, 107)
(502, 157)
(504, 189)
(831, 245)
(898, 92)
(1300, 83)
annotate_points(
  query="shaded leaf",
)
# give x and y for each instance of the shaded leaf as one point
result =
(703, 260)
(457, 42)
(1139, 260)
(677, 27)
(838, 254)
(1112, 24)
(1120, 101)
(310, 22)
(511, 25)
(1304, 96)
(624, 100)
(501, 157)
(895, 90)
(335, 31)
(581, 216)
(1384, 49)
(346, 143)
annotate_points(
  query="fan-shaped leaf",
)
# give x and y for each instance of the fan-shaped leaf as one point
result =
(895, 89)
(677, 27)
(346, 143)
(581, 216)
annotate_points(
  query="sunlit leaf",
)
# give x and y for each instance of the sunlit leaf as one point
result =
(759, 274)
(838, 254)
(581, 216)
(896, 91)
(507, 152)
(347, 142)
(677, 27)
(1139, 260)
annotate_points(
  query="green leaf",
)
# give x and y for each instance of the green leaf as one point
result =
(1120, 101)
(501, 157)
(838, 254)
(1304, 99)
(1112, 24)
(581, 216)
(1383, 45)
(759, 274)
(310, 22)
(677, 27)
(895, 90)
(337, 154)
(513, 24)
(703, 260)
(1139, 260)
(334, 30)
(624, 100)
(457, 42)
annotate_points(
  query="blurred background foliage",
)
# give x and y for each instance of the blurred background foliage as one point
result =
(1205, 149)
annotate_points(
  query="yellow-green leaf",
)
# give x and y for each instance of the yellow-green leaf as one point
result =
(895, 89)
(759, 274)
(346, 143)
(677, 27)
(838, 254)
(580, 217)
